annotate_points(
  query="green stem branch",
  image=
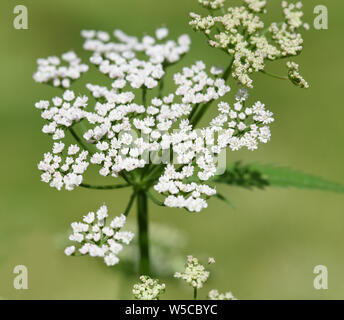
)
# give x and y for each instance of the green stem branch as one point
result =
(154, 200)
(161, 88)
(206, 106)
(144, 96)
(274, 75)
(130, 204)
(200, 113)
(228, 71)
(142, 220)
(195, 293)
(106, 187)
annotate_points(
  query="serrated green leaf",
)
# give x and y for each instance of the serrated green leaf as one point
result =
(263, 175)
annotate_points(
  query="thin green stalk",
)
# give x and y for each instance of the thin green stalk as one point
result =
(206, 106)
(125, 177)
(106, 187)
(200, 114)
(144, 96)
(195, 293)
(154, 200)
(130, 204)
(192, 113)
(156, 171)
(228, 71)
(142, 220)
(161, 88)
(274, 75)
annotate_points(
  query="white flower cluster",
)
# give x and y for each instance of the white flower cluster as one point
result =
(119, 60)
(62, 113)
(127, 134)
(195, 274)
(198, 151)
(295, 76)
(148, 289)
(96, 238)
(215, 295)
(250, 48)
(61, 171)
(212, 4)
(256, 5)
(51, 70)
(195, 86)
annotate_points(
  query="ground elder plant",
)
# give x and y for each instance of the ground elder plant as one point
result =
(149, 139)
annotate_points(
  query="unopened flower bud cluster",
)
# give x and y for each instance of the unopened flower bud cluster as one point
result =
(295, 76)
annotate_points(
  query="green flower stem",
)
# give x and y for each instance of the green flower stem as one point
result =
(228, 71)
(106, 187)
(144, 96)
(142, 219)
(274, 75)
(195, 293)
(130, 204)
(200, 113)
(206, 106)
(154, 200)
(192, 113)
(161, 87)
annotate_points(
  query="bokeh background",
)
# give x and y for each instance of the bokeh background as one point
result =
(266, 248)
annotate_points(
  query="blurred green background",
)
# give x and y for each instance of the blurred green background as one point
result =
(266, 248)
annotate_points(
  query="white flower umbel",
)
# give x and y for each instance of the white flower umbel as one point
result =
(215, 295)
(64, 169)
(236, 127)
(194, 274)
(118, 126)
(148, 289)
(60, 72)
(212, 4)
(119, 59)
(241, 33)
(97, 238)
(62, 113)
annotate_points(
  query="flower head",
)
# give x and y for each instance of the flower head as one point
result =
(96, 238)
(194, 274)
(241, 32)
(215, 295)
(60, 72)
(126, 134)
(148, 289)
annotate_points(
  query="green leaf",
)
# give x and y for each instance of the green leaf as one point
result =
(264, 175)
